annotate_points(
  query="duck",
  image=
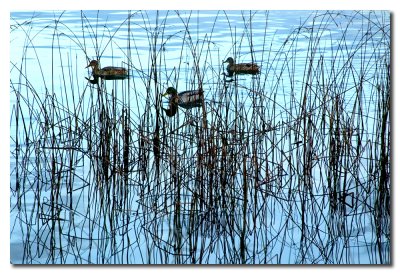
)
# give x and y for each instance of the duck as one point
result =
(185, 99)
(241, 68)
(106, 73)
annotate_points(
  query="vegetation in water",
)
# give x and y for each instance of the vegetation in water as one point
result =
(289, 165)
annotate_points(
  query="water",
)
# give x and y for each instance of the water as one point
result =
(230, 183)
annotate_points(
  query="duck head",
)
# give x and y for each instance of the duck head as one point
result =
(170, 91)
(230, 61)
(93, 64)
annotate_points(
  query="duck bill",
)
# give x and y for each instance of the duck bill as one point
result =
(164, 94)
(87, 66)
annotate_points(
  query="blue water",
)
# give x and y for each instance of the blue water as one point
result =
(49, 53)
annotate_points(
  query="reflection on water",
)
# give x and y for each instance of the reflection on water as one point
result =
(290, 165)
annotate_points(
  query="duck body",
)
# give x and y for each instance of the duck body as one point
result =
(106, 73)
(241, 68)
(190, 99)
(186, 99)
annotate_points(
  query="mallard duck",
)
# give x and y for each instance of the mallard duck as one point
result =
(106, 73)
(242, 68)
(186, 99)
